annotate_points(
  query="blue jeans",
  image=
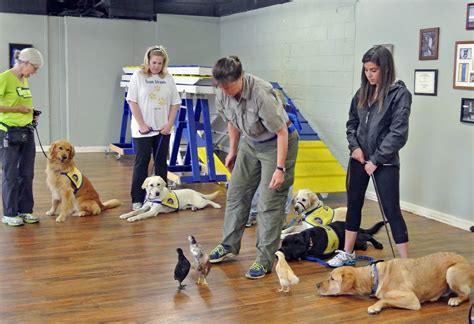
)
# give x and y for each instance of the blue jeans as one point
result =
(18, 166)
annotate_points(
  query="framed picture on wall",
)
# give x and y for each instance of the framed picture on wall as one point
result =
(463, 76)
(13, 48)
(467, 110)
(470, 16)
(426, 82)
(429, 40)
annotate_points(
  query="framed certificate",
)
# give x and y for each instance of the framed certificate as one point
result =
(426, 82)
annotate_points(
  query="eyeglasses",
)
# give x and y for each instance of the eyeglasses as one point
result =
(36, 67)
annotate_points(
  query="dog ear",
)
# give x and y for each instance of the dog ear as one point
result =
(145, 183)
(73, 151)
(347, 280)
(52, 148)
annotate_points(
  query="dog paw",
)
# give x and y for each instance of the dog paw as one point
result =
(50, 213)
(373, 310)
(132, 219)
(454, 301)
(60, 219)
(124, 216)
(218, 206)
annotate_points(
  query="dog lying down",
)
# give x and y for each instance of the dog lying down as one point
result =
(322, 241)
(160, 199)
(72, 192)
(404, 283)
(313, 211)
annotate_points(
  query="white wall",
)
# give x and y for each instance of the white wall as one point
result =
(314, 48)
(437, 172)
(78, 88)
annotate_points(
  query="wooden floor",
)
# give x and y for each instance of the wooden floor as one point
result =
(102, 268)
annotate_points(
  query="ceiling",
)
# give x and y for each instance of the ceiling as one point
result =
(137, 9)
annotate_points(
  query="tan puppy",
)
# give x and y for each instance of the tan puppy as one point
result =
(160, 199)
(72, 192)
(404, 283)
(313, 211)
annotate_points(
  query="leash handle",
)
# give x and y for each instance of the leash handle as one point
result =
(150, 130)
(384, 218)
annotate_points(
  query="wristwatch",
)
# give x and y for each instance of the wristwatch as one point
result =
(282, 169)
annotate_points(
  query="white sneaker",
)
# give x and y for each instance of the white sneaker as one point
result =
(137, 206)
(12, 221)
(342, 258)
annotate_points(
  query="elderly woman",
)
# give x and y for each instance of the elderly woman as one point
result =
(18, 156)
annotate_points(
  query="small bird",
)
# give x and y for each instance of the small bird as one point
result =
(182, 268)
(286, 276)
(201, 263)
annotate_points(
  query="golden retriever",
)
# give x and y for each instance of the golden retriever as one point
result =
(159, 199)
(67, 196)
(313, 211)
(404, 283)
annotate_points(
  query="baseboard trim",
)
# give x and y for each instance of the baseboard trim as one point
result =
(429, 213)
(80, 149)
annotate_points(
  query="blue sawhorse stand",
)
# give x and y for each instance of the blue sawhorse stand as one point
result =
(122, 147)
(188, 124)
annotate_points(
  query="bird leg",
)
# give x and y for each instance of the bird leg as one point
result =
(204, 281)
(287, 289)
(281, 288)
(181, 286)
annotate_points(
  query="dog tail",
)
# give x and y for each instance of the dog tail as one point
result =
(112, 203)
(374, 229)
(210, 196)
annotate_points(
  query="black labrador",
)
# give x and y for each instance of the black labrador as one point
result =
(314, 241)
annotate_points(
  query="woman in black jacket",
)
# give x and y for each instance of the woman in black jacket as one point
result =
(376, 131)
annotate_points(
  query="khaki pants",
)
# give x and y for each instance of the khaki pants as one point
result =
(254, 169)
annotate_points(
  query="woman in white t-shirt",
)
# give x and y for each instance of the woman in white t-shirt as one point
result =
(154, 101)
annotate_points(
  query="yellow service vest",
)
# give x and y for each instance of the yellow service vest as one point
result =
(322, 215)
(333, 240)
(75, 176)
(170, 200)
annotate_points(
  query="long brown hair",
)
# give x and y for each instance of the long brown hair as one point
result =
(382, 57)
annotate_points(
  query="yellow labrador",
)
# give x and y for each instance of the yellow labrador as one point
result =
(160, 199)
(404, 283)
(313, 211)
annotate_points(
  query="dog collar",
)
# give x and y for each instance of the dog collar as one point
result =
(375, 279)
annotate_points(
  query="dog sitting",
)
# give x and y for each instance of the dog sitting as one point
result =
(313, 212)
(72, 192)
(404, 283)
(160, 199)
(323, 241)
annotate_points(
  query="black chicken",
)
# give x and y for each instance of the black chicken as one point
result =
(182, 268)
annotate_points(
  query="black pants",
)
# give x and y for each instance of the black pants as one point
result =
(144, 147)
(388, 184)
(18, 166)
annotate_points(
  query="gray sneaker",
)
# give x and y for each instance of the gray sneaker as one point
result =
(252, 220)
(137, 206)
(12, 221)
(29, 218)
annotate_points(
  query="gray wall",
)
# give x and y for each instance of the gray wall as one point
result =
(314, 47)
(78, 88)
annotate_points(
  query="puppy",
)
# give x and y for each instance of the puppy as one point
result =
(323, 241)
(159, 199)
(72, 192)
(313, 211)
(404, 283)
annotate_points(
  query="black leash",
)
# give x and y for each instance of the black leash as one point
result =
(39, 140)
(384, 218)
(151, 130)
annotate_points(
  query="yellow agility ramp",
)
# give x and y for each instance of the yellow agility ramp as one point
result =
(220, 167)
(317, 169)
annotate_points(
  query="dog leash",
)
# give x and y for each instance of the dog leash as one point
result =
(324, 263)
(151, 130)
(384, 217)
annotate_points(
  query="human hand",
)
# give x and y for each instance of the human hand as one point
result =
(358, 155)
(230, 160)
(144, 129)
(166, 130)
(277, 179)
(370, 167)
(23, 109)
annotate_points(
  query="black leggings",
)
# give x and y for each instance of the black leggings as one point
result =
(388, 184)
(144, 147)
